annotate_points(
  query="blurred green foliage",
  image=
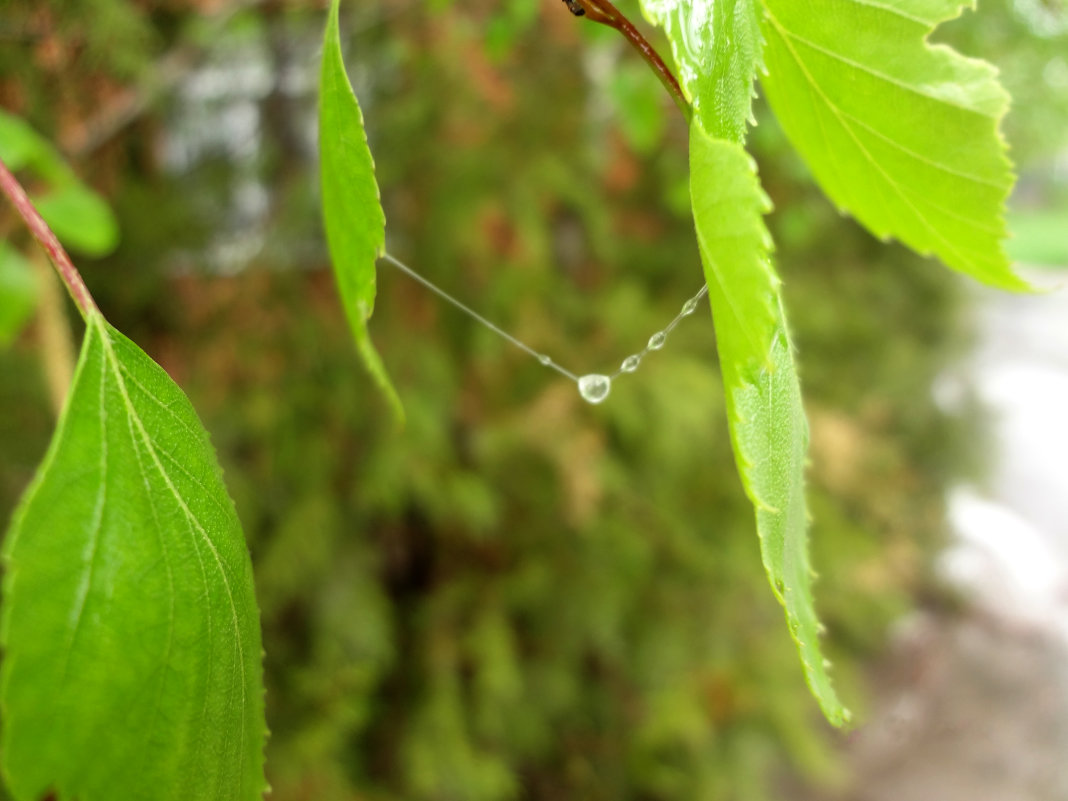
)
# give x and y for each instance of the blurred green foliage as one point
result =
(520, 596)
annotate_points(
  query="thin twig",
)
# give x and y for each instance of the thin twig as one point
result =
(604, 12)
(39, 228)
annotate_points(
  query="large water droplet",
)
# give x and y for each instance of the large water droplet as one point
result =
(689, 307)
(594, 388)
(657, 340)
(630, 364)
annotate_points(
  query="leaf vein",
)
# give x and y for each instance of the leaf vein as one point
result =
(784, 34)
(194, 524)
(919, 156)
(835, 56)
(95, 528)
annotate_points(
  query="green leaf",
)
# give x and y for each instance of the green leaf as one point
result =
(80, 218)
(131, 634)
(18, 293)
(767, 422)
(901, 133)
(717, 51)
(354, 220)
(21, 146)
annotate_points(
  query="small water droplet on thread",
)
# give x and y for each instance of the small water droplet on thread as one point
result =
(594, 387)
(630, 364)
(545, 360)
(689, 307)
(657, 340)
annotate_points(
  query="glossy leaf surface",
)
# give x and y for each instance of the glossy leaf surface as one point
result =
(352, 213)
(130, 628)
(767, 422)
(900, 133)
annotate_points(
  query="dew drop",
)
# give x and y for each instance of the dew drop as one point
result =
(630, 364)
(594, 388)
(545, 360)
(657, 340)
(689, 307)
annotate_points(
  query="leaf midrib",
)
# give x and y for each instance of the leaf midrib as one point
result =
(194, 525)
(785, 36)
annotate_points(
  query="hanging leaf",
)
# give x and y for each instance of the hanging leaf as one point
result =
(131, 634)
(717, 51)
(766, 418)
(353, 216)
(900, 133)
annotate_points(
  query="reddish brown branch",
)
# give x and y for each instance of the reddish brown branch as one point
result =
(604, 12)
(39, 228)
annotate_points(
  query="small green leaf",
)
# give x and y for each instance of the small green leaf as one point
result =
(18, 293)
(352, 213)
(21, 146)
(901, 133)
(717, 51)
(132, 646)
(767, 421)
(80, 218)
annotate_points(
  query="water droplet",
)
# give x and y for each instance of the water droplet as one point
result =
(630, 364)
(594, 388)
(689, 307)
(545, 360)
(657, 340)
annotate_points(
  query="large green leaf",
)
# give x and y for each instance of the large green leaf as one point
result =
(131, 634)
(352, 213)
(902, 134)
(716, 46)
(18, 292)
(766, 418)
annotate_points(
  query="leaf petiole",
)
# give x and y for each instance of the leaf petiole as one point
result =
(604, 12)
(39, 228)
